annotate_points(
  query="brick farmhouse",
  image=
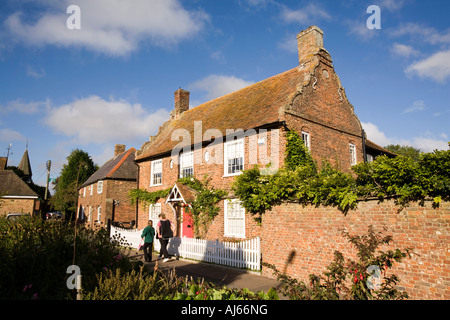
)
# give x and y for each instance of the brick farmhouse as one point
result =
(224, 136)
(104, 195)
(220, 138)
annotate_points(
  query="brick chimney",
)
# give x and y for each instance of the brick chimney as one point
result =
(309, 43)
(118, 149)
(181, 101)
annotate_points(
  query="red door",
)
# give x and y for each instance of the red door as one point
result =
(188, 223)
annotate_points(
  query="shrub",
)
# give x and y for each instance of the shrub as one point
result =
(35, 254)
(157, 285)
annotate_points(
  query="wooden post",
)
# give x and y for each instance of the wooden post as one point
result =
(79, 287)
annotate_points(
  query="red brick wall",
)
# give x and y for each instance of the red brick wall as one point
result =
(214, 170)
(323, 110)
(118, 191)
(112, 190)
(17, 206)
(309, 236)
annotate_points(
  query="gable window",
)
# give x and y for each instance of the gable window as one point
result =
(99, 187)
(234, 219)
(352, 154)
(234, 157)
(153, 212)
(306, 140)
(186, 164)
(156, 173)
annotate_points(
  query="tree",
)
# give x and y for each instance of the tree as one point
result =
(406, 151)
(78, 169)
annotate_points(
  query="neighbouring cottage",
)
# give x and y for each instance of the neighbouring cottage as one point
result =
(224, 136)
(104, 195)
(16, 196)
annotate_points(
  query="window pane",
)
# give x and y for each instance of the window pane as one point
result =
(235, 156)
(187, 164)
(156, 172)
(352, 154)
(235, 219)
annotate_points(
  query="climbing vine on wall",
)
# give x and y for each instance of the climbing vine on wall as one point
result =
(401, 178)
(204, 207)
(145, 197)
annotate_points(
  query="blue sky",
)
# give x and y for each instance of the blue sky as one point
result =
(112, 81)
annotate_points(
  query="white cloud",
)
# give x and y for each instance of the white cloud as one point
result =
(430, 144)
(435, 67)
(95, 120)
(426, 143)
(8, 135)
(308, 14)
(110, 26)
(217, 85)
(423, 33)
(418, 105)
(392, 5)
(359, 28)
(289, 43)
(403, 50)
(376, 135)
(23, 107)
(35, 73)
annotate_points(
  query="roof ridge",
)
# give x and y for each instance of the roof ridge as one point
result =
(239, 90)
(117, 166)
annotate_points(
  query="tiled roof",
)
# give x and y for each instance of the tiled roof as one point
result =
(250, 107)
(121, 167)
(11, 185)
(374, 146)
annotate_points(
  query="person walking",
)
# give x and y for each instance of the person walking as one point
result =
(164, 232)
(147, 235)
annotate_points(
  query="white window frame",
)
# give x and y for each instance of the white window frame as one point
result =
(370, 158)
(233, 207)
(186, 162)
(153, 172)
(90, 213)
(92, 189)
(353, 158)
(99, 214)
(153, 213)
(227, 146)
(100, 187)
(84, 192)
(306, 139)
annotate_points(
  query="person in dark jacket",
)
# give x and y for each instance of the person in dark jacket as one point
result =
(164, 232)
(147, 235)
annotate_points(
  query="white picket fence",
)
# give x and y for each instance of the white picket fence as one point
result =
(245, 254)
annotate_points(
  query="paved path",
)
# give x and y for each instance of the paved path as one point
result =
(220, 275)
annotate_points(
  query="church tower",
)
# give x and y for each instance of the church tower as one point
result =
(25, 166)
